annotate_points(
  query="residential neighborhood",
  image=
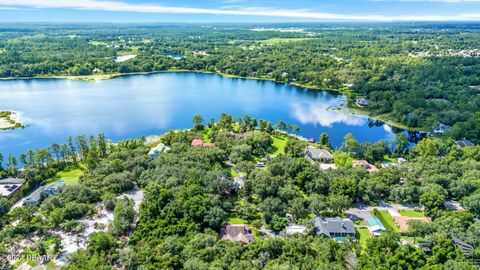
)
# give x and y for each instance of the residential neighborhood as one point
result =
(287, 188)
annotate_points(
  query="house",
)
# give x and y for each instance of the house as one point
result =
(326, 166)
(464, 143)
(322, 155)
(197, 143)
(239, 181)
(207, 144)
(335, 227)
(284, 74)
(294, 229)
(10, 186)
(440, 128)
(52, 189)
(375, 226)
(388, 165)
(158, 150)
(364, 164)
(362, 102)
(35, 197)
(260, 165)
(40, 193)
(237, 232)
(200, 143)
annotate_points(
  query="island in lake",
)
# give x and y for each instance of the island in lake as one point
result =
(9, 120)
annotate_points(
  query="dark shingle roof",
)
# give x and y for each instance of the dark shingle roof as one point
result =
(464, 143)
(334, 225)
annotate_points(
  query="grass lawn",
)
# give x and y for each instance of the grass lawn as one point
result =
(70, 177)
(363, 236)
(386, 158)
(133, 50)
(233, 172)
(278, 146)
(411, 213)
(98, 43)
(360, 222)
(236, 220)
(273, 41)
(387, 220)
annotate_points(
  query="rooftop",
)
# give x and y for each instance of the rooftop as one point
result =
(335, 225)
(237, 232)
(293, 229)
(464, 143)
(17, 181)
(160, 148)
(319, 153)
(366, 165)
(9, 186)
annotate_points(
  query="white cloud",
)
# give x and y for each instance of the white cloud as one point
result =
(120, 6)
(319, 114)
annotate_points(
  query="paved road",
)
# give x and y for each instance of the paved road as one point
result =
(363, 211)
(385, 206)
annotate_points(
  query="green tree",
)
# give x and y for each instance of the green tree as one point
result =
(338, 203)
(198, 122)
(350, 145)
(324, 141)
(472, 203)
(401, 143)
(99, 242)
(295, 148)
(278, 223)
(342, 160)
(426, 147)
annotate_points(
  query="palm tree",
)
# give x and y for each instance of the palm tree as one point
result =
(198, 122)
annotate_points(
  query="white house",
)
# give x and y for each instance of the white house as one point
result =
(158, 150)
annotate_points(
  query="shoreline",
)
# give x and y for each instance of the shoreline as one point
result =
(10, 120)
(344, 108)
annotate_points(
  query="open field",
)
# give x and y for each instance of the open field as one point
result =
(273, 41)
(363, 235)
(278, 146)
(411, 213)
(70, 176)
(236, 220)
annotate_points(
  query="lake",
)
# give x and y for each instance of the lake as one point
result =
(138, 105)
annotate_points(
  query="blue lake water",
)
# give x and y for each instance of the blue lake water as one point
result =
(139, 105)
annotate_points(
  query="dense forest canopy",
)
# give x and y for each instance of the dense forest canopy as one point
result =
(418, 75)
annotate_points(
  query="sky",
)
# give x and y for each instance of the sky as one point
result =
(202, 11)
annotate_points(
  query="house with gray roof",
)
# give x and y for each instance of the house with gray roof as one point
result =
(239, 181)
(320, 155)
(464, 143)
(10, 186)
(337, 227)
(40, 193)
(362, 102)
(294, 229)
(440, 128)
(158, 150)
